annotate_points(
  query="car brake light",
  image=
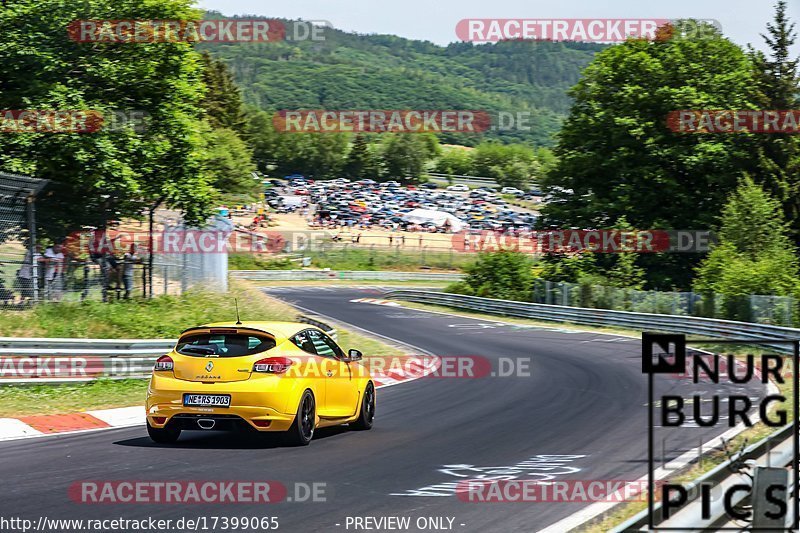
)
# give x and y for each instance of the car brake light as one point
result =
(164, 362)
(273, 365)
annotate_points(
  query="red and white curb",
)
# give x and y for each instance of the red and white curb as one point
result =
(402, 370)
(376, 301)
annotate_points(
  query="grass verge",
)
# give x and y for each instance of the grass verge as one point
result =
(422, 284)
(22, 400)
(397, 259)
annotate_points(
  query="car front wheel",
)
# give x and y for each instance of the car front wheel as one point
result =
(367, 415)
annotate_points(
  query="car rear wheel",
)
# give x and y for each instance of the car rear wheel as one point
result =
(302, 430)
(163, 435)
(367, 415)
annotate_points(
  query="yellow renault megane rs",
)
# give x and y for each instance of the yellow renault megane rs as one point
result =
(268, 376)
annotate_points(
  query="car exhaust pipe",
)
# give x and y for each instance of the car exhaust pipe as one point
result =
(206, 423)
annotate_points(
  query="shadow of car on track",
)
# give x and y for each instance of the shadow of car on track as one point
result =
(213, 440)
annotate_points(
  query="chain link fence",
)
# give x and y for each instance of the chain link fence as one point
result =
(18, 273)
(103, 265)
(762, 309)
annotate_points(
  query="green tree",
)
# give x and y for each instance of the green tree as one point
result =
(454, 160)
(504, 274)
(359, 159)
(511, 165)
(405, 155)
(222, 101)
(778, 155)
(228, 162)
(316, 155)
(572, 268)
(115, 172)
(262, 137)
(616, 156)
(754, 254)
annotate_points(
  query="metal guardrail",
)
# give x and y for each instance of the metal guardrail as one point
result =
(98, 344)
(114, 358)
(711, 327)
(330, 330)
(365, 275)
(760, 452)
(458, 178)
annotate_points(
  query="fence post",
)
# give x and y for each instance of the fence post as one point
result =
(183, 273)
(85, 292)
(31, 212)
(165, 273)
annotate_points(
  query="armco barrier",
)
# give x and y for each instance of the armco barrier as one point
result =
(711, 327)
(121, 358)
(99, 344)
(356, 275)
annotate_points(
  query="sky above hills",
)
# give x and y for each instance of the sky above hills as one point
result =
(741, 20)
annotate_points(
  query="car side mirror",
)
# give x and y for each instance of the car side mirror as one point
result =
(353, 355)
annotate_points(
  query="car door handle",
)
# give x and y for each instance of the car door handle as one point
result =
(329, 373)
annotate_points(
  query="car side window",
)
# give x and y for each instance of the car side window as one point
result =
(302, 341)
(330, 348)
(324, 345)
(335, 347)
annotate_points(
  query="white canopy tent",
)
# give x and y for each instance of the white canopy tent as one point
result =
(422, 216)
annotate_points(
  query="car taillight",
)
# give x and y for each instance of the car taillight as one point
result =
(164, 362)
(273, 365)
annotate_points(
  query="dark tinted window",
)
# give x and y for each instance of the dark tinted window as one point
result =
(224, 345)
(324, 344)
(302, 341)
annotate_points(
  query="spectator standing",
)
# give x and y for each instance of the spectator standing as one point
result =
(110, 270)
(130, 259)
(54, 271)
(25, 273)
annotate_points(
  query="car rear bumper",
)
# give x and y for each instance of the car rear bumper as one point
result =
(238, 417)
(251, 405)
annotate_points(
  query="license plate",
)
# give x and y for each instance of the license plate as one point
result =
(207, 400)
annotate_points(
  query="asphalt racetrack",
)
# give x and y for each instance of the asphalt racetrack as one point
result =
(584, 400)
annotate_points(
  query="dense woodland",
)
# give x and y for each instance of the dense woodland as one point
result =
(351, 71)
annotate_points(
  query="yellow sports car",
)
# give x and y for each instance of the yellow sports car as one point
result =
(268, 376)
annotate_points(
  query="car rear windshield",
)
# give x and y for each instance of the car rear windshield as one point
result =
(224, 344)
